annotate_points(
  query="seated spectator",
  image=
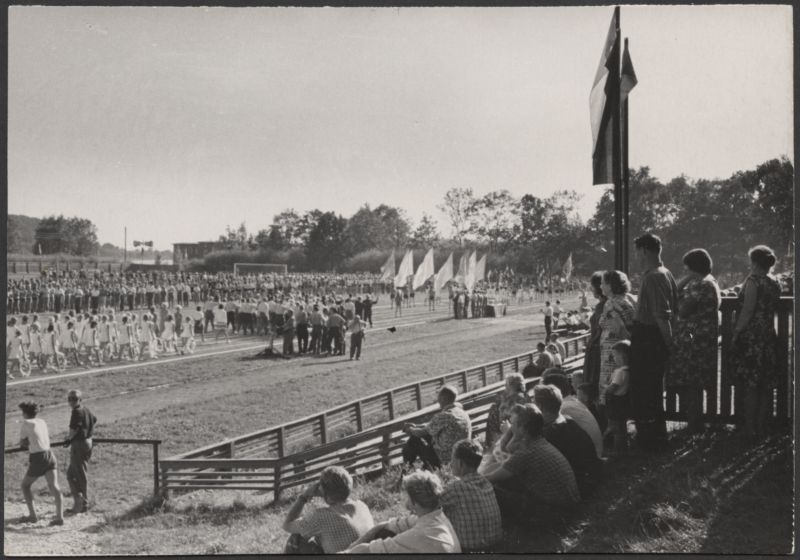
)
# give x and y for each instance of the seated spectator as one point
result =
(566, 436)
(427, 530)
(553, 350)
(544, 360)
(433, 441)
(562, 350)
(514, 393)
(469, 502)
(536, 475)
(328, 529)
(573, 407)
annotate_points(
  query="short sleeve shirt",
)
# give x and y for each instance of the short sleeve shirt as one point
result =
(447, 427)
(335, 530)
(82, 421)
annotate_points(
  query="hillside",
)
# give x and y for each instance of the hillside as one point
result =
(21, 231)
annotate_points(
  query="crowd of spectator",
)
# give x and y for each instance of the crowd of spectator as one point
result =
(545, 451)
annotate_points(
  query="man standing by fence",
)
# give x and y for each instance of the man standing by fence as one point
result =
(79, 441)
(651, 338)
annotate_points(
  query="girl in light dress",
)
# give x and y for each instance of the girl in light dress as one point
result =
(14, 354)
(92, 344)
(147, 337)
(187, 335)
(69, 342)
(126, 339)
(168, 335)
(35, 347)
(50, 348)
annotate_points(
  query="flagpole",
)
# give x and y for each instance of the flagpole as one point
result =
(616, 148)
(625, 185)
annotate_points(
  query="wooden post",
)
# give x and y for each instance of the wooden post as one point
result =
(390, 400)
(323, 428)
(359, 418)
(281, 442)
(277, 483)
(387, 440)
(502, 374)
(418, 389)
(516, 363)
(484, 380)
(726, 330)
(155, 469)
(163, 487)
(464, 380)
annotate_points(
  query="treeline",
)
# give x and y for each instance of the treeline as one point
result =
(535, 235)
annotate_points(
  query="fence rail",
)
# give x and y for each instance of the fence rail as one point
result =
(154, 442)
(362, 435)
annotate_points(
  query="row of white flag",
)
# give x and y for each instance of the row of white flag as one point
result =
(470, 271)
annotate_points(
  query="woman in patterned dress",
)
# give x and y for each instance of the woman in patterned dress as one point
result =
(755, 341)
(615, 323)
(591, 359)
(693, 364)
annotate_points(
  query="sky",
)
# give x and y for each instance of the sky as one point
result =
(177, 122)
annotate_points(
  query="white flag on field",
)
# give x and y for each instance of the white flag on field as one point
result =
(461, 273)
(406, 270)
(480, 269)
(444, 275)
(472, 264)
(425, 271)
(387, 270)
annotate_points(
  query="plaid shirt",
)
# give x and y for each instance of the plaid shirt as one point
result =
(545, 473)
(335, 530)
(447, 427)
(471, 506)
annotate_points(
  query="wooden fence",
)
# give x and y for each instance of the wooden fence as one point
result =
(723, 402)
(362, 434)
(367, 434)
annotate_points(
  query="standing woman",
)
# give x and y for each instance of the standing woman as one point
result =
(615, 323)
(591, 360)
(693, 364)
(755, 341)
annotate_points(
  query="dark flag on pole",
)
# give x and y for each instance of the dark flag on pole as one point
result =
(603, 105)
(628, 79)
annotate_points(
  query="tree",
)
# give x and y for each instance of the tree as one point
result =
(426, 235)
(75, 236)
(325, 247)
(459, 207)
(496, 218)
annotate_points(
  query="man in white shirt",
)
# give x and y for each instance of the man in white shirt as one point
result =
(34, 436)
(426, 531)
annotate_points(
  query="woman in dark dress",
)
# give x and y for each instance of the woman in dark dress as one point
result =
(692, 366)
(592, 359)
(755, 340)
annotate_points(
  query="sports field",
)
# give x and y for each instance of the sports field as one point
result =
(221, 391)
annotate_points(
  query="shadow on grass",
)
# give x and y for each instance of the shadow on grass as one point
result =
(671, 502)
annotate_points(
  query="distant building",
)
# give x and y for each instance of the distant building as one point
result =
(183, 252)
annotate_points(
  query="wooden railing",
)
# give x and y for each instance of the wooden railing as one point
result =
(153, 442)
(724, 402)
(369, 433)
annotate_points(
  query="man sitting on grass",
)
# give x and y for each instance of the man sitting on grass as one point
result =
(536, 475)
(433, 441)
(469, 502)
(566, 436)
(572, 407)
(426, 531)
(328, 529)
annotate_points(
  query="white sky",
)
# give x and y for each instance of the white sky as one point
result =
(179, 121)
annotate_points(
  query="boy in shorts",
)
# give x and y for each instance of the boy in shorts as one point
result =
(34, 436)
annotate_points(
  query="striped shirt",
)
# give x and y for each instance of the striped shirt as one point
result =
(335, 528)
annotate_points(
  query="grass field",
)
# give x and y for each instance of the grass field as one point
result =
(690, 501)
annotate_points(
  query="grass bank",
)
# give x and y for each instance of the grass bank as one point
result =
(709, 494)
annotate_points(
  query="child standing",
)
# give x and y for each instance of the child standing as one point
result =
(617, 400)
